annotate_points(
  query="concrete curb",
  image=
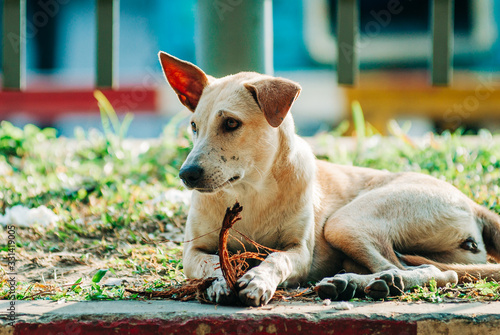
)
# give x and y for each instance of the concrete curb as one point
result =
(169, 317)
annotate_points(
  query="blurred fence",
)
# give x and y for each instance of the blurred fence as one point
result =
(107, 18)
(14, 40)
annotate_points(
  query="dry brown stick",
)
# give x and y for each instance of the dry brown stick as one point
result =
(228, 271)
(304, 294)
(233, 267)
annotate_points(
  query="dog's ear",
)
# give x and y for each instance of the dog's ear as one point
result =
(274, 96)
(187, 80)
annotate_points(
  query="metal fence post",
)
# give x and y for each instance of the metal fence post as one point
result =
(108, 24)
(347, 39)
(442, 41)
(234, 36)
(14, 44)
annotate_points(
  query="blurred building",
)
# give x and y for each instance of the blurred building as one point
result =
(394, 51)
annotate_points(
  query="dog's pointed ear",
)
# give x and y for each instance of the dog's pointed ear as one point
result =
(187, 80)
(275, 97)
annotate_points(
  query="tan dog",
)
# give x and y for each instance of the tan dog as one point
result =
(324, 218)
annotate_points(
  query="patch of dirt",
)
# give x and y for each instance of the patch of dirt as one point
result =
(56, 261)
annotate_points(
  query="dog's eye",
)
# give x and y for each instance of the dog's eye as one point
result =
(231, 124)
(193, 127)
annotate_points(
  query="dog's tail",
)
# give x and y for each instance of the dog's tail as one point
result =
(490, 223)
(465, 272)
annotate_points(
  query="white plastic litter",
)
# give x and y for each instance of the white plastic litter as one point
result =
(23, 216)
(343, 306)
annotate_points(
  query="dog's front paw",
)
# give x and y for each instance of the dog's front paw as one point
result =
(220, 293)
(255, 289)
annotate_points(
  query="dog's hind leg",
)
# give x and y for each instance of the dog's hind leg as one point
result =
(381, 284)
(370, 247)
(423, 216)
(463, 259)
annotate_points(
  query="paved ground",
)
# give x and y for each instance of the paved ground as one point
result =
(168, 317)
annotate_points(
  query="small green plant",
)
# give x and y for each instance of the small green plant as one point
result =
(481, 290)
(18, 142)
(110, 121)
(358, 119)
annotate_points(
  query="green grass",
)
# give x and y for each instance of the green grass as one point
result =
(105, 191)
(481, 290)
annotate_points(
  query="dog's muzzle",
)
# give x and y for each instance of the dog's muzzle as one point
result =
(191, 175)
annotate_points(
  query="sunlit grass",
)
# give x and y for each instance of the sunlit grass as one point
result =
(107, 190)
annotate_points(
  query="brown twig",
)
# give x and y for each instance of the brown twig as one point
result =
(307, 294)
(255, 244)
(191, 290)
(228, 270)
(232, 267)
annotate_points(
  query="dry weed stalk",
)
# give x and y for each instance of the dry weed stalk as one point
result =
(190, 290)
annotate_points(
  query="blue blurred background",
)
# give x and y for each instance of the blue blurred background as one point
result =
(62, 53)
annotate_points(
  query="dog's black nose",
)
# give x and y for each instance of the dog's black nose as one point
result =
(191, 175)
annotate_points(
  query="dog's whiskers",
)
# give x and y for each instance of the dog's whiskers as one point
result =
(271, 144)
